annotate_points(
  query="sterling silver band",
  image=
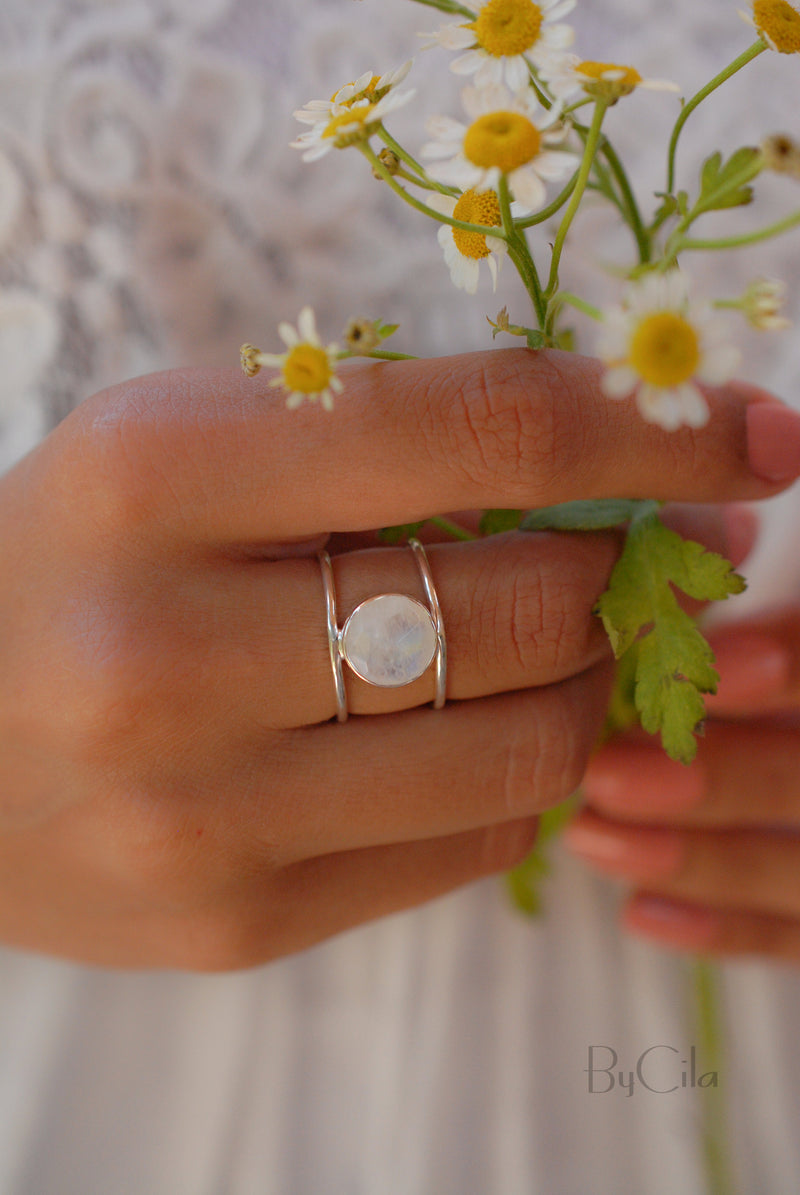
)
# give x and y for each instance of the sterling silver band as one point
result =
(389, 640)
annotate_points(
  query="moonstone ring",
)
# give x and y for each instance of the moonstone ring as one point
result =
(389, 640)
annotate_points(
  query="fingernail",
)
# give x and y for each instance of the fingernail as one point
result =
(636, 778)
(633, 852)
(773, 440)
(751, 666)
(741, 532)
(672, 921)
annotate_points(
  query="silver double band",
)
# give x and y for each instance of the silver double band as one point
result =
(389, 640)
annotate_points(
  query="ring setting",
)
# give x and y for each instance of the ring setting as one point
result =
(389, 640)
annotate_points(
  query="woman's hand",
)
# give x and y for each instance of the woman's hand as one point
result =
(173, 791)
(713, 850)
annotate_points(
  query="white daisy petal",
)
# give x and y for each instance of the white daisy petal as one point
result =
(528, 188)
(619, 382)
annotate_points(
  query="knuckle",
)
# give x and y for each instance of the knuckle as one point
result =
(498, 435)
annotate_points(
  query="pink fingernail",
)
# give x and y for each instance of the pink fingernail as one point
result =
(751, 666)
(773, 441)
(628, 851)
(636, 778)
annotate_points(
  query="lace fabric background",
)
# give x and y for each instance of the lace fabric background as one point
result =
(152, 215)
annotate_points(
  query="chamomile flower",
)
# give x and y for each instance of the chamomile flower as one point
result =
(307, 369)
(777, 22)
(509, 135)
(602, 80)
(762, 304)
(505, 37)
(464, 251)
(372, 87)
(659, 344)
(336, 125)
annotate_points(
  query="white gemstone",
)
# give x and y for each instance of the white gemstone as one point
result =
(389, 640)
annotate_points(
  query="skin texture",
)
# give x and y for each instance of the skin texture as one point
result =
(172, 789)
(713, 850)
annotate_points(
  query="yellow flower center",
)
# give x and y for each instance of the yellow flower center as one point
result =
(665, 350)
(307, 369)
(780, 24)
(358, 116)
(625, 75)
(506, 140)
(368, 93)
(473, 208)
(505, 28)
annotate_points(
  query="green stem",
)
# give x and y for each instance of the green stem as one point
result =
(383, 355)
(449, 6)
(547, 212)
(711, 1038)
(589, 151)
(688, 108)
(423, 180)
(519, 252)
(745, 238)
(629, 200)
(565, 297)
(451, 528)
(386, 175)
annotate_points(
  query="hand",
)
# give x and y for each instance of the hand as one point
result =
(713, 850)
(173, 792)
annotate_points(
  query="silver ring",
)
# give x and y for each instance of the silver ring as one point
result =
(389, 640)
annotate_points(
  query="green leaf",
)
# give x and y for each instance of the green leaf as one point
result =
(674, 664)
(593, 515)
(404, 531)
(725, 185)
(524, 883)
(494, 522)
(386, 330)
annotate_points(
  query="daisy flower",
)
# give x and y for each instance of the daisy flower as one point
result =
(602, 80)
(659, 345)
(505, 37)
(777, 22)
(762, 304)
(307, 369)
(509, 135)
(464, 251)
(335, 125)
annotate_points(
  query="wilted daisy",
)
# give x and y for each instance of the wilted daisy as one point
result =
(464, 251)
(336, 125)
(602, 80)
(778, 23)
(508, 135)
(659, 345)
(762, 304)
(307, 369)
(505, 37)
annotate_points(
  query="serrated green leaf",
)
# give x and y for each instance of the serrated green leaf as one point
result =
(674, 663)
(596, 514)
(403, 531)
(725, 185)
(494, 522)
(710, 172)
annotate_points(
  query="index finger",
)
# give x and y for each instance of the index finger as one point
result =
(219, 455)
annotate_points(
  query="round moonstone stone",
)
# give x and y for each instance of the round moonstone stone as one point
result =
(389, 640)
